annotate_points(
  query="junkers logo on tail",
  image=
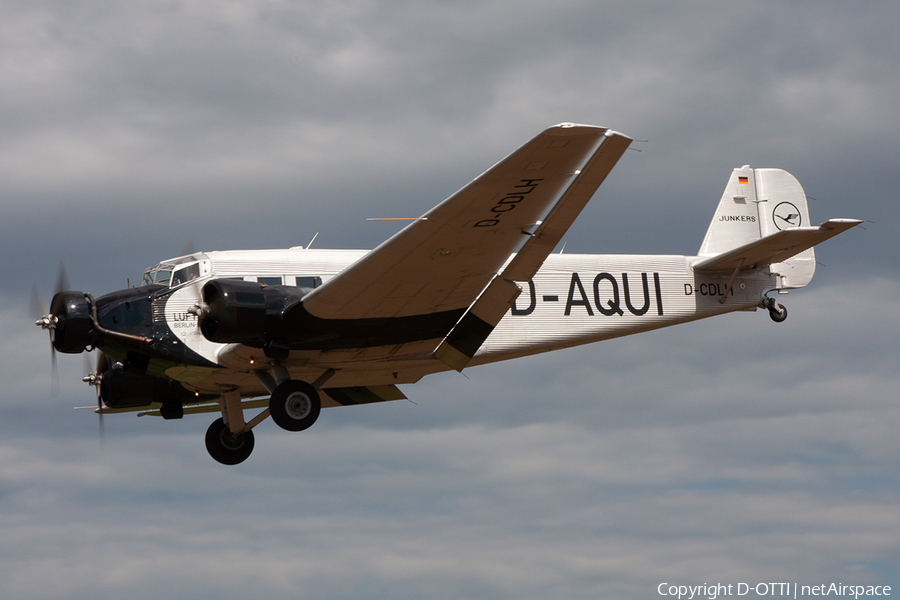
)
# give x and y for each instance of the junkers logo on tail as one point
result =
(786, 216)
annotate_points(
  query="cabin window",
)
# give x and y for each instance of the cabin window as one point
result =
(309, 282)
(269, 280)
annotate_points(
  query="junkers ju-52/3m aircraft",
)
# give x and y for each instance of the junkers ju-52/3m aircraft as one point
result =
(470, 282)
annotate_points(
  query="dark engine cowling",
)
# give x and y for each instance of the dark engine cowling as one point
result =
(119, 388)
(73, 330)
(245, 312)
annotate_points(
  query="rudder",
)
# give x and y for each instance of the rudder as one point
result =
(782, 206)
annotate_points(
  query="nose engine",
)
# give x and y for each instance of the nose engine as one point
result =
(70, 323)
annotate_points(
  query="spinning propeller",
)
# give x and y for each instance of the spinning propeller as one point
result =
(70, 325)
(49, 320)
(95, 378)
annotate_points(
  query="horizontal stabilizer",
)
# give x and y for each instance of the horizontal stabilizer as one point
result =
(775, 248)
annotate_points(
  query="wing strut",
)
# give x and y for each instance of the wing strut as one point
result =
(734, 275)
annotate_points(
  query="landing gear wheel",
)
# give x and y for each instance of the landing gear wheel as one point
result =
(295, 405)
(225, 447)
(778, 312)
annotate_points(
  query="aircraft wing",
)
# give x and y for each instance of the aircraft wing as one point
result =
(345, 396)
(775, 248)
(442, 262)
(461, 344)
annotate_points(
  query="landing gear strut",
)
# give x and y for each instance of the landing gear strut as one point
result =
(777, 312)
(229, 439)
(226, 447)
(294, 405)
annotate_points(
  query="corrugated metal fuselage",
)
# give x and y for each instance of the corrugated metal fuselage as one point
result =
(574, 299)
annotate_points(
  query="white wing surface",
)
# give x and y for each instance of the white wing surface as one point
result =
(443, 261)
(460, 345)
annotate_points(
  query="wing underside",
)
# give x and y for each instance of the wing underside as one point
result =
(343, 396)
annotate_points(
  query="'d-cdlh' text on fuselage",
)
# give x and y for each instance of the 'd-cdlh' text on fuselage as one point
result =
(716, 290)
(607, 294)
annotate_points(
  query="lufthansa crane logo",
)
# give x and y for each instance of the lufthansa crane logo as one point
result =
(786, 216)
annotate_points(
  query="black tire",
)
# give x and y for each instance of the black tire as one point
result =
(295, 405)
(778, 312)
(225, 447)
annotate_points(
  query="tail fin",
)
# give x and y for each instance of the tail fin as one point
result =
(758, 203)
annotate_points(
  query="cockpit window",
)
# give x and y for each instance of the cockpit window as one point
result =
(185, 274)
(176, 272)
(156, 276)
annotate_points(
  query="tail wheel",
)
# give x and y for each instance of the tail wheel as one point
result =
(295, 405)
(225, 447)
(778, 312)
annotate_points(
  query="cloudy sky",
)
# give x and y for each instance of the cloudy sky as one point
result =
(726, 451)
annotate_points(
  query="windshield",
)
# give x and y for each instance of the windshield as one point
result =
(175, 272)
(156, 275)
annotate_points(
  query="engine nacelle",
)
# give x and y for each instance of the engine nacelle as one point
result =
(119, 388)
(73, 330)
(245, 312)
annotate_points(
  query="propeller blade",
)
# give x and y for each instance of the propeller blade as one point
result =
(93, 378)
(188, 248)
(62, 279)
(102, 431)
(102, 364)
(36, 306)
(54, 373)
(86, 364)
(38, 311)
(102, 368)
